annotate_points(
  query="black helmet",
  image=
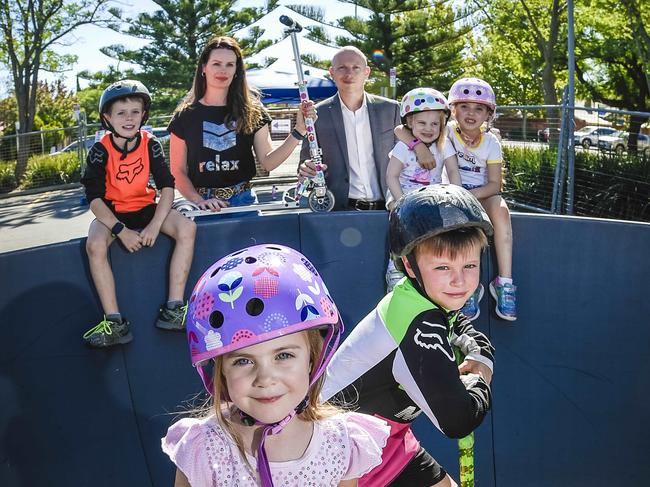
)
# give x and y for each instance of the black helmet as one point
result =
(432, 210)
(123, 89)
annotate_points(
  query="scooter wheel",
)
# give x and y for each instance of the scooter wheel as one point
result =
(184, 207)
(321, 204)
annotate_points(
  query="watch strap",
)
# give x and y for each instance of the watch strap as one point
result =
(297, 135)
(117, 228)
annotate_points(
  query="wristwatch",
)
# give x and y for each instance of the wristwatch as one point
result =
(117, 228)
(297, 135)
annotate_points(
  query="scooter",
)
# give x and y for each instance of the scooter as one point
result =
(320, 198)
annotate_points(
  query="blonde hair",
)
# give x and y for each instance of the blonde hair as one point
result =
(243, 102)
(440, 143)
(453, 243)
(314, 411)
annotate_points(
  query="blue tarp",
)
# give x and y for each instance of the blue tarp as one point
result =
(280, 86)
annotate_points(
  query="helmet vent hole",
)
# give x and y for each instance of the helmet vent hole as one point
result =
(216, 319)
(215, 271)
(479, 92)
(250, 260)
(254, 306)
(466, 91)
(237, 253)
(273, 248)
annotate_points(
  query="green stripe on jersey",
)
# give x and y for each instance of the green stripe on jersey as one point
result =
(400, 307)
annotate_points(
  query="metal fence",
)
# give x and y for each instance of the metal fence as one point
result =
(606, 176)
(593, 168)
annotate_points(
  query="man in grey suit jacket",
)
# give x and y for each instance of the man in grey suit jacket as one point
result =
(355, 132)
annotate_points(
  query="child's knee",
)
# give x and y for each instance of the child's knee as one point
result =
(186, 231)
(96, 247)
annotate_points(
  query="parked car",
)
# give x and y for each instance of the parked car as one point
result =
(589, 135)
(617, 142)
(72, 147)
(159, 132)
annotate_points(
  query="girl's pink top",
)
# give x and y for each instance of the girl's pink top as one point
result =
(345, 446)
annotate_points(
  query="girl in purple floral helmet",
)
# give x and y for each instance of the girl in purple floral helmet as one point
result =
(265, 317)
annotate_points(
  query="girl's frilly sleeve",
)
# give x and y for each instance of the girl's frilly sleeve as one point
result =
(367, 436)
(185, 446)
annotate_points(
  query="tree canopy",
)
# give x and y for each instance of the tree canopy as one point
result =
(177, 31)
(30, 30)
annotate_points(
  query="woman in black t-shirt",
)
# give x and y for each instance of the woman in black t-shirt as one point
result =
(216, 128)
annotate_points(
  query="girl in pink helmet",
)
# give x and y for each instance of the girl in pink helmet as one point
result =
(263, 317)
(473, 107)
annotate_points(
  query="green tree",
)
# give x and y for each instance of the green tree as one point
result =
(430, 53)
(513, 72)
(612, 58)
(526, 38)
(89, 97)
(30, 28)
(55, 106)
(422, 40)
(177, 32)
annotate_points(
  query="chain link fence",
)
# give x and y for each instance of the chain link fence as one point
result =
(607, 175)
(610, 176)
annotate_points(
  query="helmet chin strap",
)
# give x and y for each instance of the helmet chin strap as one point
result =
(417, 281)
(115, 134)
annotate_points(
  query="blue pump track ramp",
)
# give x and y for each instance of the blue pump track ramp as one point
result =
(571, 387)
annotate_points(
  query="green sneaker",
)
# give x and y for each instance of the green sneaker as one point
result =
(108, 334)
(172, 319)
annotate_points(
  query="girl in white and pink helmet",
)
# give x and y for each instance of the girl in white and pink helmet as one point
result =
(425, 112)
(478, 151)
(263, 317)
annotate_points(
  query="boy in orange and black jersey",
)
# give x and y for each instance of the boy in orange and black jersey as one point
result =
(116, 180)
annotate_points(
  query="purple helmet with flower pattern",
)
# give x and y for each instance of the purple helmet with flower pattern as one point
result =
(473, 90)
(253, 295)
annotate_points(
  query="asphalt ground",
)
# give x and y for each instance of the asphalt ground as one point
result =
(52, 215)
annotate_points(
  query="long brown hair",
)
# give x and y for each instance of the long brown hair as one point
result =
(314, 411)
(243, 102)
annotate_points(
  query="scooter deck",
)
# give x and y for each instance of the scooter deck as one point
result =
(279, 206)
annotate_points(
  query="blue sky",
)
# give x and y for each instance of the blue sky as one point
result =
(86, 41)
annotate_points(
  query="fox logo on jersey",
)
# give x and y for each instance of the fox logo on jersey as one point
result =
(431, 338)
(130, 171)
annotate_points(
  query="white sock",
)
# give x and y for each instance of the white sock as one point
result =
(504, 280)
